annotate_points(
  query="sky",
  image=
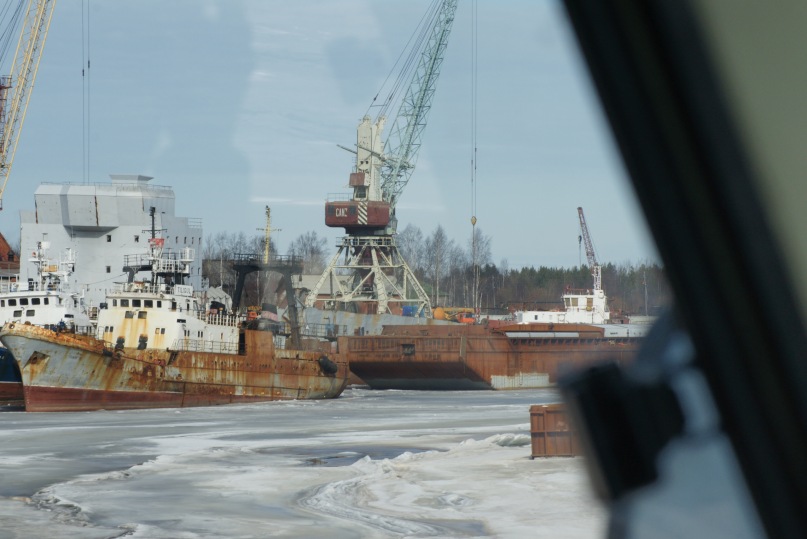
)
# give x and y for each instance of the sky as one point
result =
(240, 104)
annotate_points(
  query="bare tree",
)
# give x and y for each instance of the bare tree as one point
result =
(412, 246)
(456, 263)
(311, 249)
(438, 247)
(480, 254)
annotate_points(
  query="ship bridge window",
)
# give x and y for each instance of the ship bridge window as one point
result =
(12, 303)
(23, 301)
(17, 314)
(46, 301)
(124, 303)
(148, 303)
(129, 314)
(109, 238)
(159, 304)
(142, 314)
(30, 312)
(36, 301)
(2, 303)
(109, 269)
(136, 303)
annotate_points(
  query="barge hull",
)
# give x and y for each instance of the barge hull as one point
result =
(530, 356)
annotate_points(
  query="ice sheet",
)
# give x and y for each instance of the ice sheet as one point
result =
(370, 464)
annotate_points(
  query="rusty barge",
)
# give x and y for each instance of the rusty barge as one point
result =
(156, 346)
(468, 357)
(529, 351)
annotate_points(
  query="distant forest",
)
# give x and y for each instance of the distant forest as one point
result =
(445, 270)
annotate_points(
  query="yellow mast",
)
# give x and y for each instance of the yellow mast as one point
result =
(23, 73)
(266, 236)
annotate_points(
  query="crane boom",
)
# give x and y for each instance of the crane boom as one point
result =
(591, 256)
(33, 34)
(402, 144)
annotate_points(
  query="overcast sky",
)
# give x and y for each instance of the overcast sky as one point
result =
(240, 104)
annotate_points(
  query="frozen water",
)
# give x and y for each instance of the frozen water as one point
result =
(369, 464)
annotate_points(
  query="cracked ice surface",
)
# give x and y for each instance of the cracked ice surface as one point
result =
(369, 464)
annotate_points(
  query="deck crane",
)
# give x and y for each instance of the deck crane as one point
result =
(591, 256)
(379, 277)
(33, 34)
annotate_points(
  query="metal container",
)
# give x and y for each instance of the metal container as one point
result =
(551, 433)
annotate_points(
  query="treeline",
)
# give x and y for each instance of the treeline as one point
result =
(445, 269)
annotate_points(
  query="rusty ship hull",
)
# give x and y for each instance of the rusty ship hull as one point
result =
(66, 372)
(475, 357)
(11, 394)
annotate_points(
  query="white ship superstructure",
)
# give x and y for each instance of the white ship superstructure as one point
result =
(162, 312)
(580, 307)
(45, 299)
(103, 222)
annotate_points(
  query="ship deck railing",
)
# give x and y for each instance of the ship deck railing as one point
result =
(28, 286)
(323, 330)
(199, 345)
(220, 319)
(64, 328)
(149, 288)
(170, 260)
(275, 261)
